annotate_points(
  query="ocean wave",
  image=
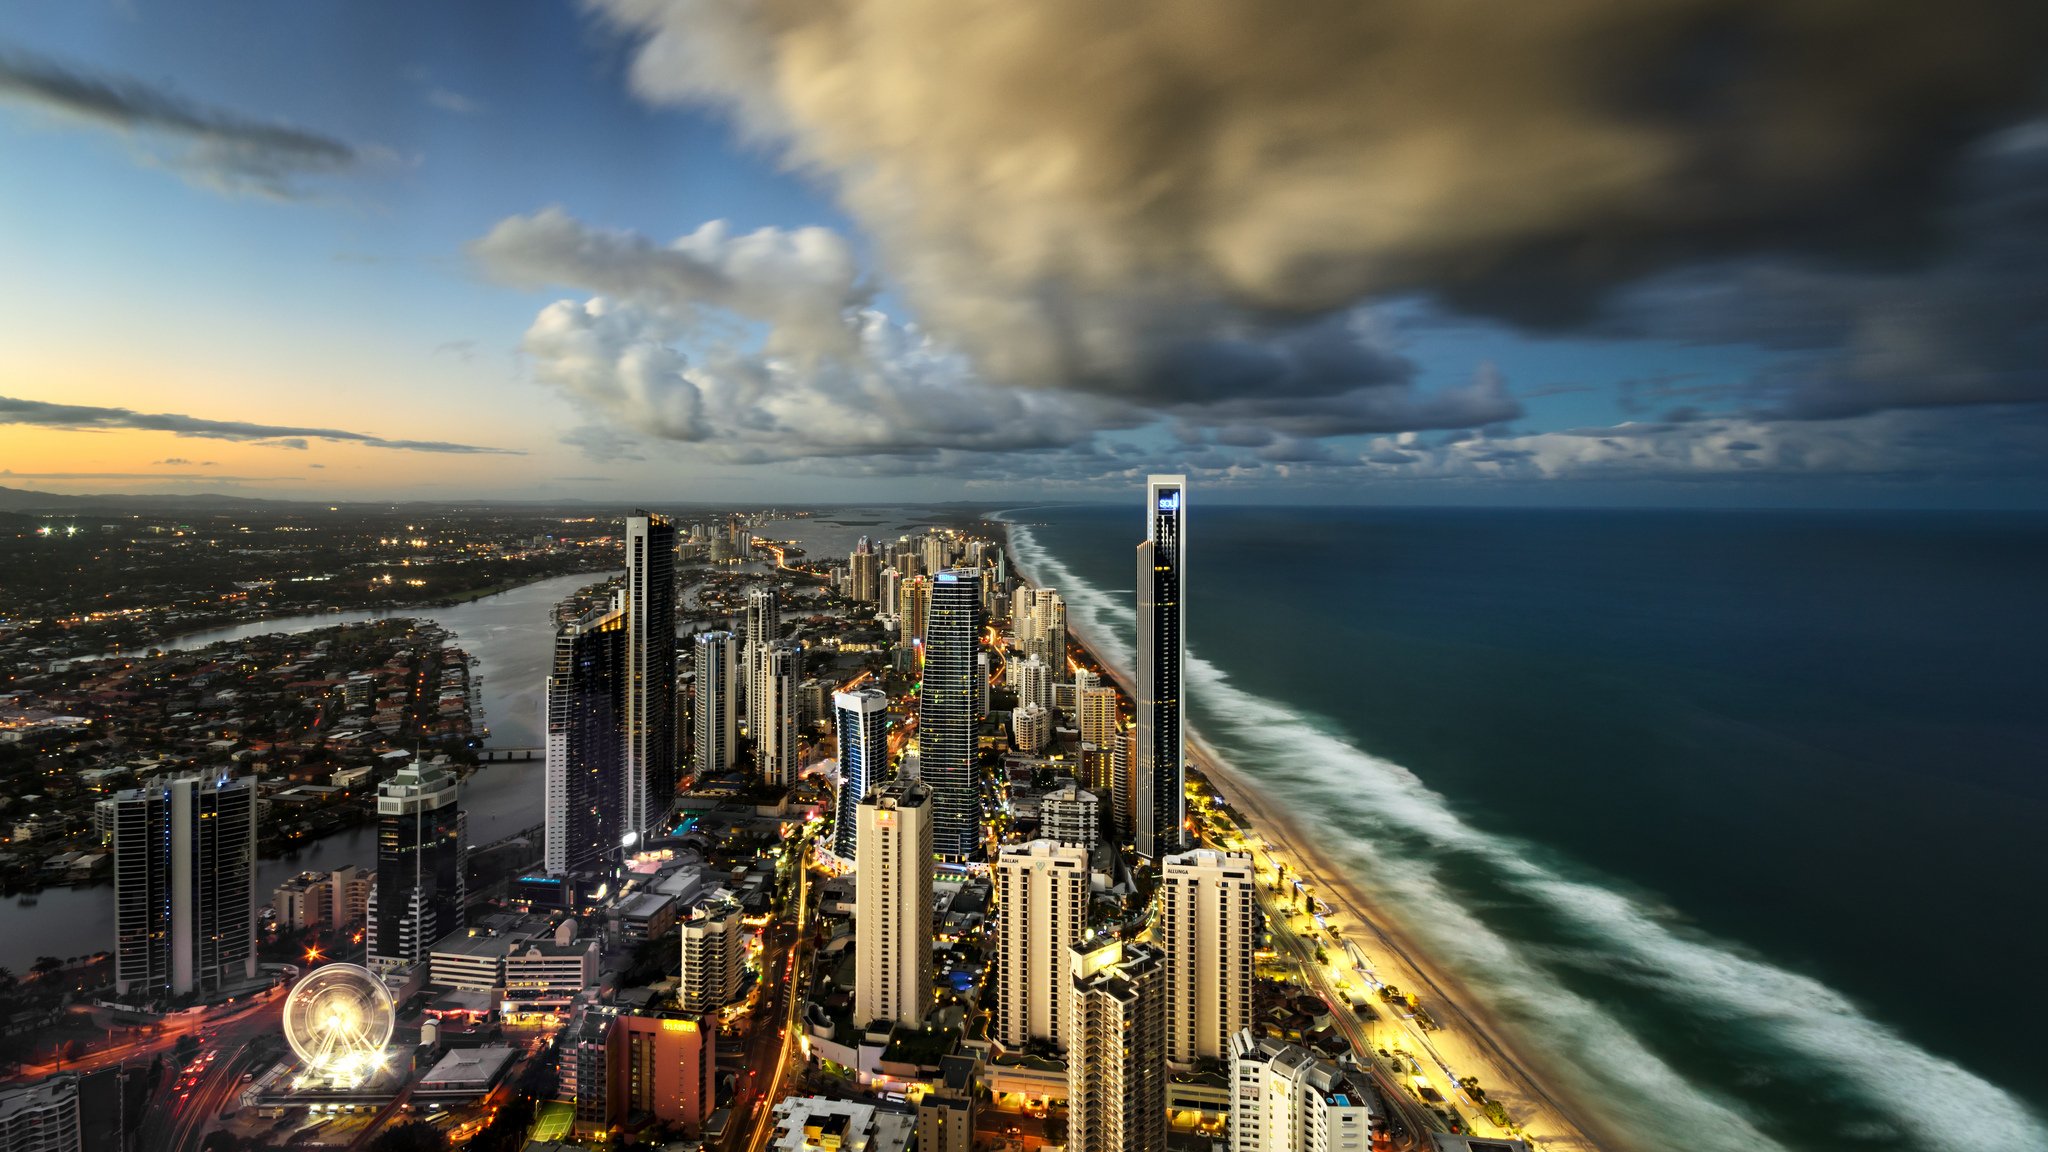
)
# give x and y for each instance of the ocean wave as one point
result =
(1397, 835)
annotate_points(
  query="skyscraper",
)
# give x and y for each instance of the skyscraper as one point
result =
(586, 748)
(1206, 911)
(1042, 632)
(775, 741)
(650, 774)
(1041, 908)
(915, 597)
(421, 850)
(892, 919)
(717, 729)
(763, 625)
(1160, 767)
(860, 720)
(864, 570)
(1096, 710)
(184, 885)
(1032, 678)
(1116, 1055)
(945, 711)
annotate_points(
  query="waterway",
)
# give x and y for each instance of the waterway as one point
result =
(509, 634)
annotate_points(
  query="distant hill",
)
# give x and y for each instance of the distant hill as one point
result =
(27, 500)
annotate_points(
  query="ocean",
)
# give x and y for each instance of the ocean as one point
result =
(1731, 818)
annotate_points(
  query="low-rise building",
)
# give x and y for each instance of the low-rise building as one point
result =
(815, 1124)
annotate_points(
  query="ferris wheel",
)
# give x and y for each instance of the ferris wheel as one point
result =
(338, 1020)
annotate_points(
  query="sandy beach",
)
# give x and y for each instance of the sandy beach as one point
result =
(1468, 1041)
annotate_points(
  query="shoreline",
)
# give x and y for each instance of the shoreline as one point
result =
(1550, 1117)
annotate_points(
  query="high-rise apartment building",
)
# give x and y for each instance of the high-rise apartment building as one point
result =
(763, 626)
(937, 552)
(892, 919)
(586, 742)
(916, 598)
(660, 1066)
(1031, 728)
(1041, 909)
(775, 741)
(714, 956)
(1207, 916)
(1284, 1098)
(861, 724)
(1042, 629)
(890, 594)
(1096, 709)
(945, 712)
(42, 1115)
(1032, 679)
(1160, 768)
(651, 737)
(1116, 1056)
(1070, 816)
(184, 885)
(864, 569)
(421, 852)
(715, 718)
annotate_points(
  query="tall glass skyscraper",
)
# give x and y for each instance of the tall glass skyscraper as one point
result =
(421, 851)
(586, 749)
(184, 885)
(650, 774)
(946, 701)
(1160, 770)
(861, 721)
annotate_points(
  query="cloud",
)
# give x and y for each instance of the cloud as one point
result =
(1991, 443)
(766, 346)
(449, 100)
(82, 417)
(180, 461)
(1095, 196)
(175, 477)
(212, 147)
(1968, 329)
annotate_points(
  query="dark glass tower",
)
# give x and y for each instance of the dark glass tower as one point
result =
(861, 722)
(945, 711)
(650, 774)
(586, 748)
(421, 850)
(1160, 770)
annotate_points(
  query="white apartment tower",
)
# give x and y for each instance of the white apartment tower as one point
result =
(775, 744)
(1031, 725)
(1285, 1099)
(714, 956)
(763, 625)
(892, 920)
(1041, 909)
(716, 721)
(1207, 908)
(42, 1115)
(1032, 678)
(1070, 816)
(1116, 1063)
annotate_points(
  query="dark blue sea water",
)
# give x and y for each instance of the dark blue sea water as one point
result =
(1736, 817)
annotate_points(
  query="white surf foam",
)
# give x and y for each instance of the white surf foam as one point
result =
(1346, 795)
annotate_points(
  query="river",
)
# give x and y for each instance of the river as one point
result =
(510, 635)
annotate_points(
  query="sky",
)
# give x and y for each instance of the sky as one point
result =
(1702, 252)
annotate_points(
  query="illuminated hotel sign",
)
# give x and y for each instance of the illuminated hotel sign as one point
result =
(1169, 501)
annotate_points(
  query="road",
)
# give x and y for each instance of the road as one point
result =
(180, 1118)
(796, 980)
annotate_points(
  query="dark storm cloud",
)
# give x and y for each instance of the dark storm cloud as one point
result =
(223, 149)
(84, 417)
(1145, 198)
(1970, 328)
